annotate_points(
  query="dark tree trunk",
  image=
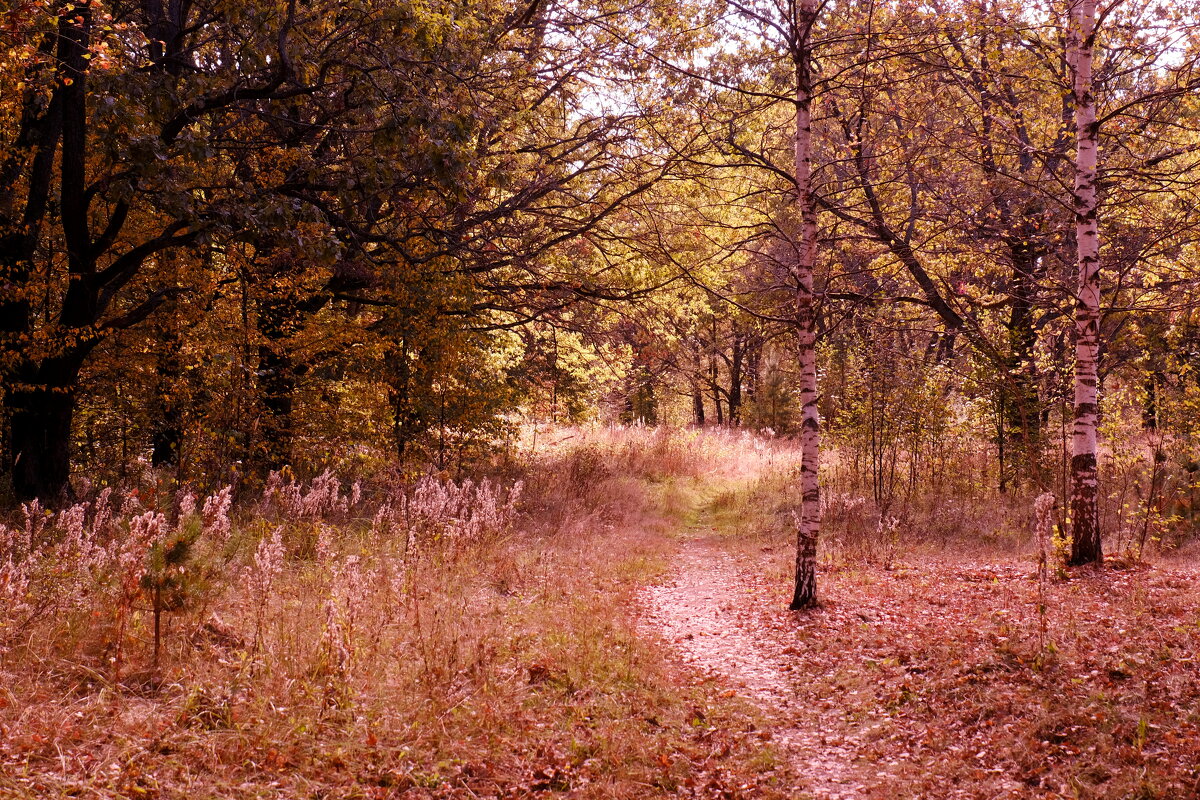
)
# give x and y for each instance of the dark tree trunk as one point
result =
(41, 409)
(38, 424)
(735, 378)
(277, 383)
(1019, 399)
(167, 435)
(714, 384)
(282, 312)
(399, 395)
(697, 405)
(642, 403)
(753, 364)
(278, 320)
(1002, 468)
(411, 417)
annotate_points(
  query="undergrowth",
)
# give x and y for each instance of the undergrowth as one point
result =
(477, 638)
(417, 639)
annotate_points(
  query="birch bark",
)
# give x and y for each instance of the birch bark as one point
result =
(1085, 533)
(805, 595)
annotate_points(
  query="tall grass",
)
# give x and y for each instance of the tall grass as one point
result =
(447, 638)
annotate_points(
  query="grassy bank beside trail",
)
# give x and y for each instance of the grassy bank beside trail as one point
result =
(429, 640)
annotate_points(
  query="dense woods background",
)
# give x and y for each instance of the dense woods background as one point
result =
(238, 237)
(348, 237)
(243, 238)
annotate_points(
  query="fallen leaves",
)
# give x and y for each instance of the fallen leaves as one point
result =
(934, 673)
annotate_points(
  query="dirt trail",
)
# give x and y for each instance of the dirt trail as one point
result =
(702, 612)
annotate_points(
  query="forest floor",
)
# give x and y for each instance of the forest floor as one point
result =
(624, 636)
(939, 677)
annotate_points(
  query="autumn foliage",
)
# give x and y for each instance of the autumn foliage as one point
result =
(362, 363)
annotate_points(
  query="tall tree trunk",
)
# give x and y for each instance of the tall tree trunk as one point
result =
(277, 382)
(282, 311)
(1020, 222)
(643, 401)
(278, 320)
(735, 377)
(167, 436)
(714, 383)
(406, 419)
(40, 390)
(1085, 516)
(805, 595)
(166, 410)
(41, 410)
(753, 362)
(697, 404)
(1019, 388)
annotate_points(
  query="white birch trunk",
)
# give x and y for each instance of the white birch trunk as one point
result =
(1085, 538)
(810, 432)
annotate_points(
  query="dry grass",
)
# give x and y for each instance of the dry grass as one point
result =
(506, 664)
(444, 642)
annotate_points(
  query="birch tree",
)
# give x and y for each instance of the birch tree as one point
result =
(777, 43)
(1085, 539)
(805, 594)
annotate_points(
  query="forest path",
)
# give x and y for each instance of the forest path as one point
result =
(704, 611)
